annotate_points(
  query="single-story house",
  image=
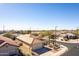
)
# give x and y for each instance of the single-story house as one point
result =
(45, 39)
(8, 40)
(8, 47)
(28, 43)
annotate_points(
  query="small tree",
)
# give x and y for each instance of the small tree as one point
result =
(29, 32)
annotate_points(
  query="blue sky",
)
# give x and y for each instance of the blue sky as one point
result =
(39, 16)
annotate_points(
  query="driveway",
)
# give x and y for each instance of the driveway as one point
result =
(72, 49)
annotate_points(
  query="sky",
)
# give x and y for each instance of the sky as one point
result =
(14, 16)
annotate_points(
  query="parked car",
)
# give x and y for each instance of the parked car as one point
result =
(71, 37)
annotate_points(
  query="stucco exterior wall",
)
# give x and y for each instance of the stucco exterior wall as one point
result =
(37, 46)
(25, 49)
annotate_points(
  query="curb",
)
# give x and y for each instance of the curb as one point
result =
(62, 51)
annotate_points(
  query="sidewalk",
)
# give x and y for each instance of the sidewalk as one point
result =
(62, 50)
(70, 41)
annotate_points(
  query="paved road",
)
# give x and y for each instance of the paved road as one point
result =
(73, 50)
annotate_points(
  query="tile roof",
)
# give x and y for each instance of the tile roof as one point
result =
(28, 39)
(8, 40)
(25, 38)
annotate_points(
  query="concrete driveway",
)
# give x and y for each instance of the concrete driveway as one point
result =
(72, 49)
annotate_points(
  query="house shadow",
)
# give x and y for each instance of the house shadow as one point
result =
(42, 50)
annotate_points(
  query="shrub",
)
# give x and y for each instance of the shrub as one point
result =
(8, 35)
(66, 39)
(56, 46)
(35, 34)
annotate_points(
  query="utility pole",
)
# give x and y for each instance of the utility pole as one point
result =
(55, 35)
(30, 30)
(55, 31)
(3, 28)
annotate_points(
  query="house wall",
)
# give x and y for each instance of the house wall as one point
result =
(25, 49)
(37, 46)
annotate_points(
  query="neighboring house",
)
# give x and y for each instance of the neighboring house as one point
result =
(45, 39)
(8, 40)
(69, 36)
(29, 43)
(8, 47)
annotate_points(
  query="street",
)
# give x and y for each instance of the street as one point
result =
(73, 50)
